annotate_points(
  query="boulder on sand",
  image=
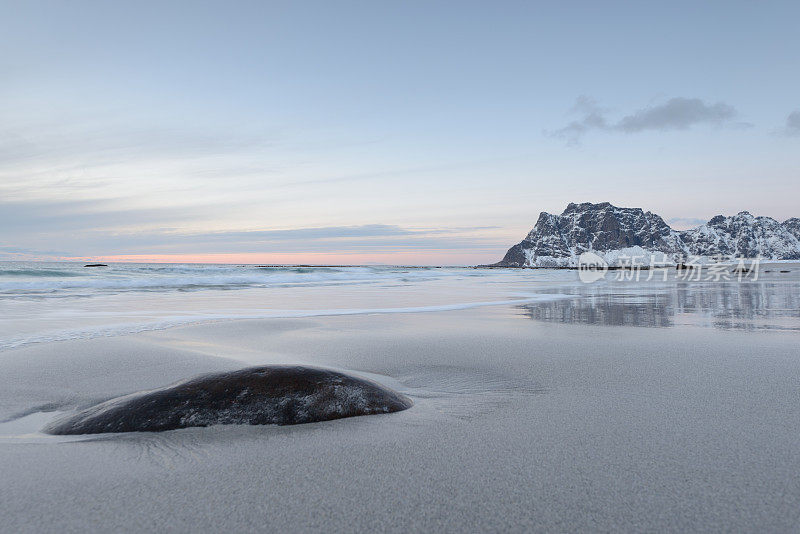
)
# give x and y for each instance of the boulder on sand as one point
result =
(272, 394)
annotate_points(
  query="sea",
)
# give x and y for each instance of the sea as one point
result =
(52, 301)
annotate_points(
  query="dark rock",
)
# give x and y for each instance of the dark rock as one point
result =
(515, 257)
(95, 265)
(273, 394)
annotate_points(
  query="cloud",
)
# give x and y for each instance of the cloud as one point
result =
(792, 124)
(592, 118)
(256, 238)
(18, 219)
(71, 144)
(340, 239)
(675, 114)
(11, 253)
(90, 228)
(360, 232)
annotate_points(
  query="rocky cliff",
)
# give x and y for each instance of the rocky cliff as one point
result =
(616, 233)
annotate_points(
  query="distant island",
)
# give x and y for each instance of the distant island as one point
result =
(615, 234)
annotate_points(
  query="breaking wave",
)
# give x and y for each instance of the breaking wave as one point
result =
(76, 279)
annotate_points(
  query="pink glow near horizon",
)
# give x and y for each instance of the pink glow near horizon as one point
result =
(395, 258)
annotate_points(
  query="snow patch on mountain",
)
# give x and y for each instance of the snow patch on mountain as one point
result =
(619, 234)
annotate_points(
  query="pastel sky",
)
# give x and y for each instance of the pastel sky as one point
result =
(419, 132)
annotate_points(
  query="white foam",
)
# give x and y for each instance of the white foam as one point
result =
(222, 279)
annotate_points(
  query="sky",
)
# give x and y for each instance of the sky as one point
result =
(409, 132)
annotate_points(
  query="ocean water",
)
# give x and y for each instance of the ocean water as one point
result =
(29, 279)
(41, 302)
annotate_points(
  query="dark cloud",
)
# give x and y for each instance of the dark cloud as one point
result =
(793, 124)
(674, 114)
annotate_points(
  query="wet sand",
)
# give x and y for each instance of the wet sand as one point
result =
(518, 425)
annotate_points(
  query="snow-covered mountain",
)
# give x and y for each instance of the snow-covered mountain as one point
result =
(793, 225)
(743, 236)
(616, 233)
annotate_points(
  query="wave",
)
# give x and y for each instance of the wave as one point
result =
(38, 273)
(41, 281)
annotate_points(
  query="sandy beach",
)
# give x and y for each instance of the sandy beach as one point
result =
(519, 424)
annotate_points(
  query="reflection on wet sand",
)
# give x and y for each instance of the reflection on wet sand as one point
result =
(732, 305)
